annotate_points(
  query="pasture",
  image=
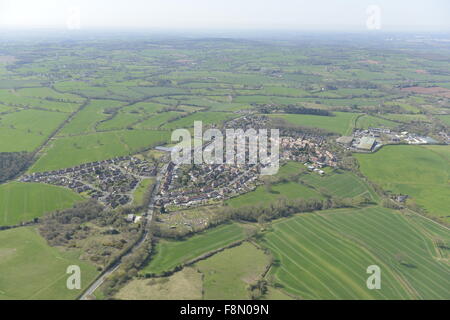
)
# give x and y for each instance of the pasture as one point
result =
(419, 171)
(31, 269)
(22, 202)
(222, 282)
(261, 196)
(170, 254)
(341, 184)
(70, 151)
(341, 123)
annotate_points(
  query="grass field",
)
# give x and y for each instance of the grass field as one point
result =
(222, 282)
(71, 151)
(30, 269)
(170, 254)
(342, 184)
(366, 121)
(21, 202)
(205, 117)
(288, 190)
(325, 256)
(418, 171)
(342, 122)
(182, 285)
(141, 189)
(27, 129)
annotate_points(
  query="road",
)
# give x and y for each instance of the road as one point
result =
(147, 223)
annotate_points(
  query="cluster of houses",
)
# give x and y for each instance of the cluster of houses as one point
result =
(206, 182)
(309, 149)
(111, 181)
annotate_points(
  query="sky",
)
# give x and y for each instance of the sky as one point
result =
(396, 15)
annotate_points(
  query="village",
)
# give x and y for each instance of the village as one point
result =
(194, 185)
(112, 181)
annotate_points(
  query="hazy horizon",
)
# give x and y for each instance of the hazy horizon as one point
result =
(287, 15)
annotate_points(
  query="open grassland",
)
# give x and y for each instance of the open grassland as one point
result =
(71, 151)
(340, 183)
(366, 121)
(182, 285)
(261, 196)
(27, 100)
(30, 269)
(86, 119)
(170, 254)
(157, 120)
(21, 202)
(341, 122)
(422, 172)
(205, 117)
(227, 274)
(26, 130)
(325, 256)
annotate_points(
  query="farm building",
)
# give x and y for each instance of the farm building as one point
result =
(366, 144)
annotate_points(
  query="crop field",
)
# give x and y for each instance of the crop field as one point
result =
(417, 171)
(33, 270)
(342, 122)
(170, 254)
(94, 147)
(325, 256)
(22, 202)
(222, 282)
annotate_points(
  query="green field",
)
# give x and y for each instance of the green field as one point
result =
(27, 129)
(170, 254)
(94, 147)
(366, 121)
(30, 269)
(288, 190)
(325, 256)
(342, 122)
(222, 282)
(22, 202)
(418, 171)
(205, 117)
(141, 189)
(341, 184)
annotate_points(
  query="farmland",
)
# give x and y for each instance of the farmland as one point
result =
(222, 282)
(212, 231)
(313, 250)
(341, 123)
(170, 254)
(31, 269)
(22, 202)
(420, 172)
